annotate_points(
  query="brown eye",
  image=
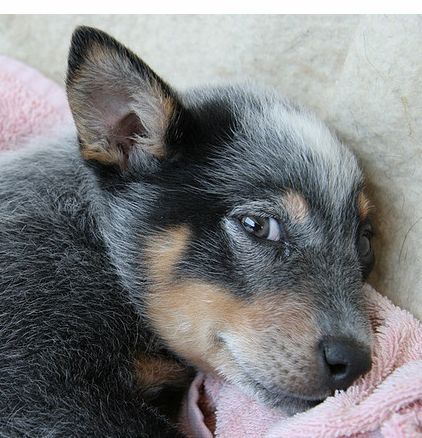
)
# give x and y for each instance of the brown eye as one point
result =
(364, 242)
(365, 251)
(262, 227)
(364, 246)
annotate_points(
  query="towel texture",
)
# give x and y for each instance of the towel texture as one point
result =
(30, 104)
(386, 402)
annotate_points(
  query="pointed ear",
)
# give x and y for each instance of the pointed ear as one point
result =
(121, 108)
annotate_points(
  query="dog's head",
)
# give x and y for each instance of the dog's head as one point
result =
(237, 220)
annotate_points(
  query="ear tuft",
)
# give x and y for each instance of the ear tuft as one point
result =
(121, 108)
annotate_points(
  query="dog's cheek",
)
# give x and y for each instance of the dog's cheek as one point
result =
(187, 315)
(275, 335)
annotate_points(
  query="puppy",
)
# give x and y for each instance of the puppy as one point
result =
(222, 229)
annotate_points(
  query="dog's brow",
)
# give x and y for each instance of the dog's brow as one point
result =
(296, 206)
(364, 206)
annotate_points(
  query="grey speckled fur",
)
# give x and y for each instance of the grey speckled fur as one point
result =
(65, 321)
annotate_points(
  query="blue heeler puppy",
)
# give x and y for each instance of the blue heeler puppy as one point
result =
(222, 229)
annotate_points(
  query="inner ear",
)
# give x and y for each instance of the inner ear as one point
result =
(127, 132)
(121, 108)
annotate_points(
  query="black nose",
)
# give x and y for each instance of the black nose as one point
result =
(344, 361)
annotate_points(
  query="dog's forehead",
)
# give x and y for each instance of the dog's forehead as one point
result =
(270, 144)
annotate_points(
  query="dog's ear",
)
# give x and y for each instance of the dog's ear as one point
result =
(121, 108)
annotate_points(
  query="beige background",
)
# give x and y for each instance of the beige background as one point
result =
(363, 74)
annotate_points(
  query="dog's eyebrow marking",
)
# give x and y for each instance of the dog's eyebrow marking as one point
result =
(296, 206)
(364, 206)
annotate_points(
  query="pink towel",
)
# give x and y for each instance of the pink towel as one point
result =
(30, 104)
(387, 402)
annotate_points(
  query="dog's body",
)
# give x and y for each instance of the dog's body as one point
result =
(221, 229)
(69, 334)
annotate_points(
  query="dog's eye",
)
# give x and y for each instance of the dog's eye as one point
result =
(364, 246)
(366, 253)
(262, 227)
(364, 243)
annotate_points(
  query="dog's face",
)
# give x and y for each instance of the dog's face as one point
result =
(250, 230)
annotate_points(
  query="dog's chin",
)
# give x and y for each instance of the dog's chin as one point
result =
(290, 403)
(271, 395)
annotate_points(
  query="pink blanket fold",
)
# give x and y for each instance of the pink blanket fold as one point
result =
(387, 402)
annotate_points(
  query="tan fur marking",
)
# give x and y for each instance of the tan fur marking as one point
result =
(197, 312)
(153, 373)
(164, 251)
(296, 206)
(192, 315)
(156, 149)
(104, 156)
(364, 206)
(182, 311)
(163, 120)
(167, 104)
